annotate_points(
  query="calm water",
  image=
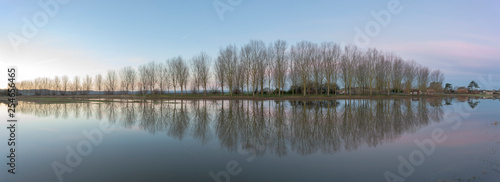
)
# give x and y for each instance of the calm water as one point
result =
(343, 140)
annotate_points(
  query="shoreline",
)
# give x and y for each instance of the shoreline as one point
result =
(110, 98)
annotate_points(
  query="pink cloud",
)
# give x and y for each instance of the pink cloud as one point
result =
(473, 132)
(462, 53)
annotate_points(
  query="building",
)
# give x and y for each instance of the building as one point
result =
(430, 91)
(462, 90)
(415, 92)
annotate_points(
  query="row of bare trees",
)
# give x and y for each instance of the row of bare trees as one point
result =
(304, 68)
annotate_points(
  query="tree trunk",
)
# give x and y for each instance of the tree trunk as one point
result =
(370, 89)
(388, 89)
(328, 89)
(279, 88)
(253, 89)
(350, 89)
(304, 89)
(316, 86)
(262, 88)
(269, 92)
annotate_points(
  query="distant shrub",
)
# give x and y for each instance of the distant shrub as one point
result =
(236, 91)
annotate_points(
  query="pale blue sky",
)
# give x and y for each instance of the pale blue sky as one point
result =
(88, 36)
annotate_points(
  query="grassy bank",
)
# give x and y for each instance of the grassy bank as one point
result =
(110, 98)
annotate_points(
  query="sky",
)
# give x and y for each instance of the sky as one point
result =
(46, 38)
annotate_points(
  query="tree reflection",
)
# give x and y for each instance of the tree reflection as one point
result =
(202, 130)
(278, 127)
(472, 104)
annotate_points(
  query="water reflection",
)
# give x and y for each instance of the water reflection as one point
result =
(278, 127)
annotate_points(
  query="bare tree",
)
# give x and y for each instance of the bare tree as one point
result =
(220, 72)
(184, 76)
(347, 66)
(143, 79)
(163, 74)
(76, 85)
(268, 70)
(132, 79)
(246, 61)
(330, 55)
(172, 66)
(361, 68)
(49, 86)
(152, 74)
(127, 79)
(37, 86)
(423, 78)
(181, 72)
(388, 71)
(123, 80)
(23, 86)
(397, 73)
(87, 84)
(195, 82)
(410, 73)
(111, 81)
(380, 73)
(263, 64)
(280, 64)
(254, 55)
(166, 75)
(317, 63)
(202, 70)
(57, 85)
(302, 54)
(436, 79)
(65, 84)
(229, 58)
(98, 82)
(171, 71)
(240, 76)
(372, 57)
(293, 74)
(40, 85)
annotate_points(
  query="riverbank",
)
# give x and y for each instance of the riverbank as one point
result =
(139, 98)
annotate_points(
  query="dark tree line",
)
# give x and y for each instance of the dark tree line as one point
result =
(256, 68)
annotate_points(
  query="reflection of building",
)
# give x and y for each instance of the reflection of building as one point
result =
(462, 99)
